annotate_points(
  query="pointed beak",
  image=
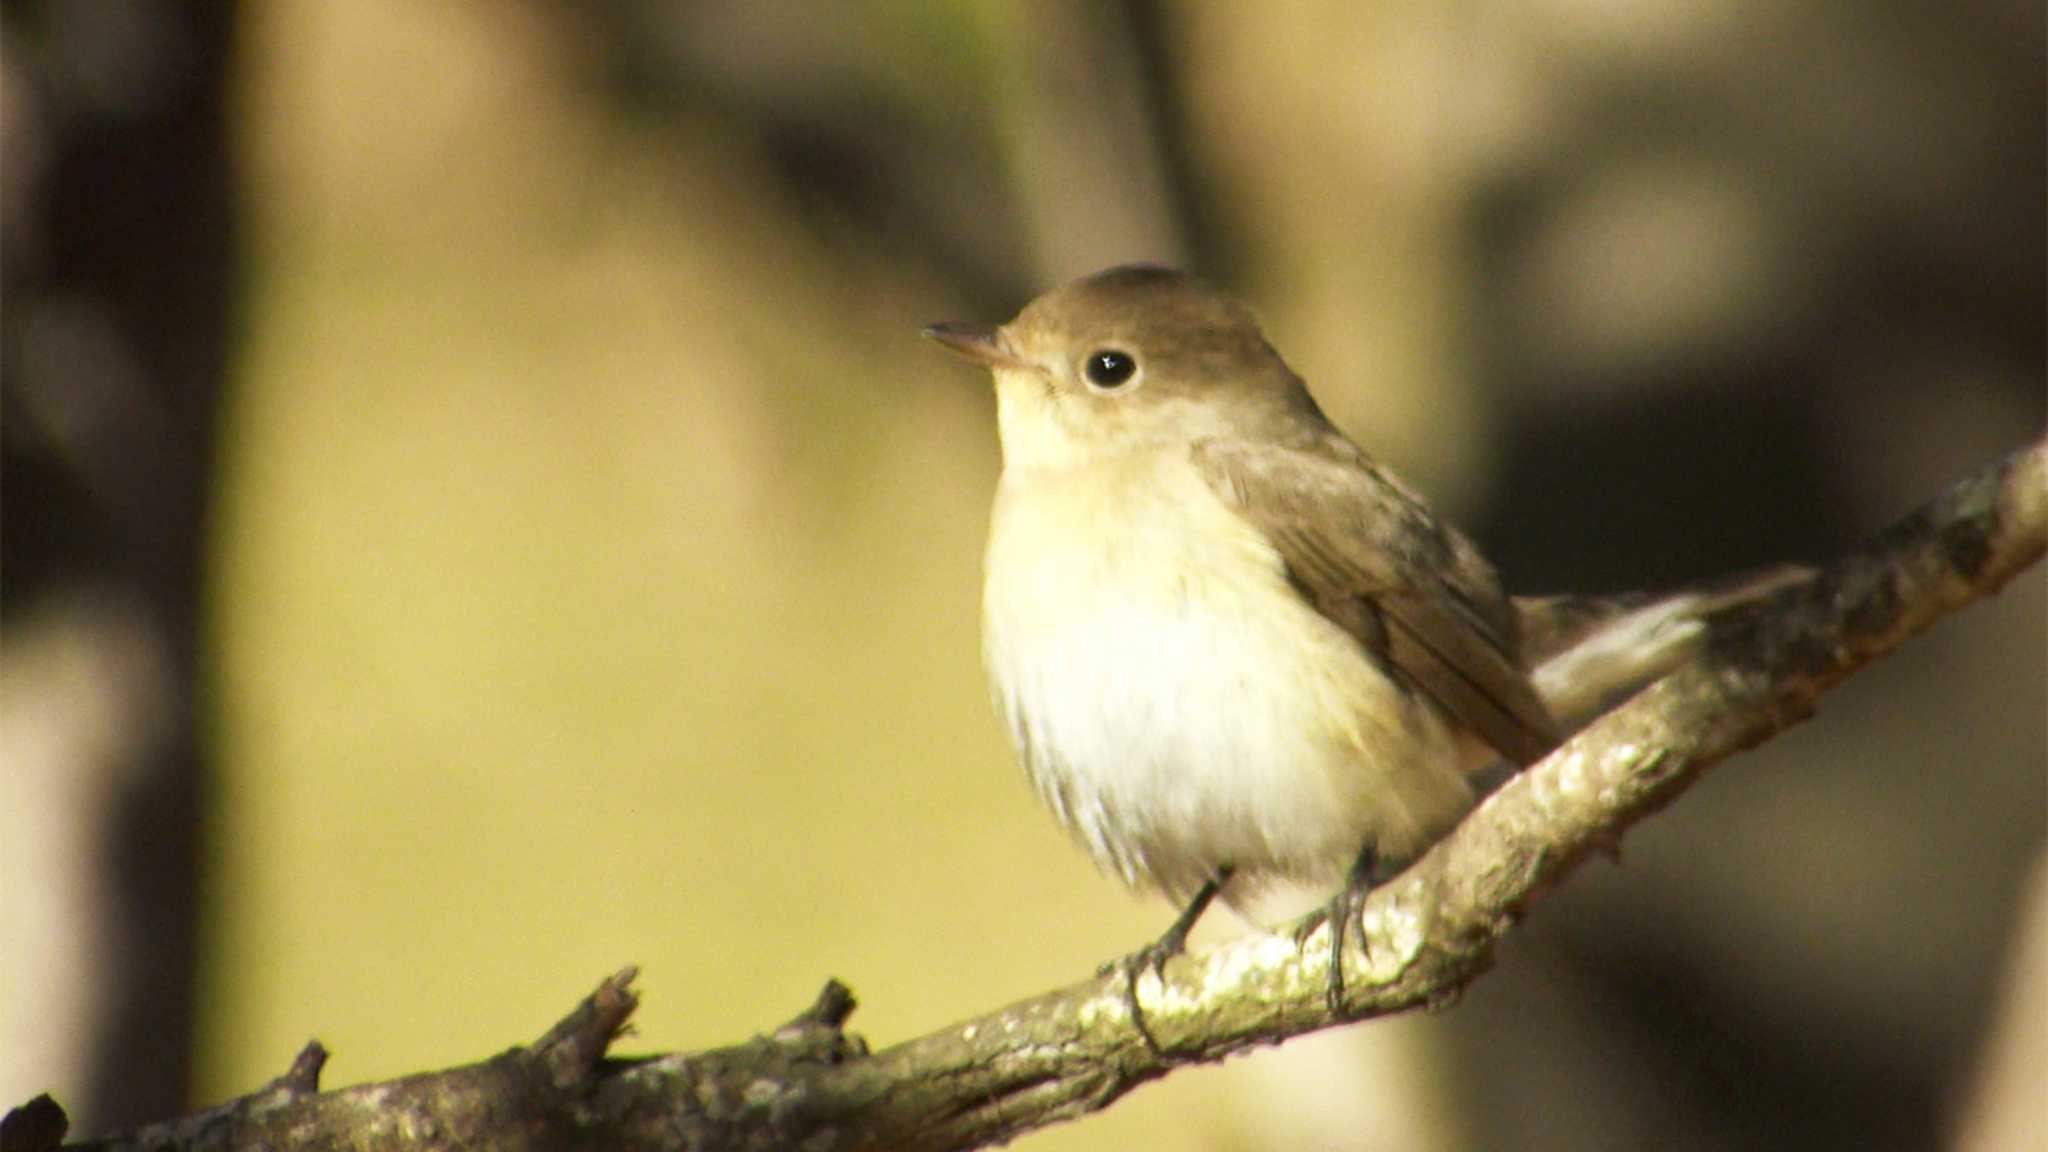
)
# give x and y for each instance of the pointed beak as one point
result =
(980, 343)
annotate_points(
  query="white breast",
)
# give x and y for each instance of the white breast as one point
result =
(1177, 704)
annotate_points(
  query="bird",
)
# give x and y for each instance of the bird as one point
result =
(1229, 647)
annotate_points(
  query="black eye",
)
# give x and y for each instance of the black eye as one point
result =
(1109, 368)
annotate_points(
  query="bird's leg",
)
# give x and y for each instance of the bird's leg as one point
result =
(1342, 910)
(1174, 940)
(1171, 943)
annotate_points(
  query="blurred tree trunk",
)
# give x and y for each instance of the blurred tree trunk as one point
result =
(119, 266)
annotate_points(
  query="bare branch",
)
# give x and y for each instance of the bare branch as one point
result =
(1072, 1051)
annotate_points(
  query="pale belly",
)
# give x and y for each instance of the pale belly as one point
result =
(1179, 706)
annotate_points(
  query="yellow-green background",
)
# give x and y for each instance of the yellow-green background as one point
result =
(599, 585)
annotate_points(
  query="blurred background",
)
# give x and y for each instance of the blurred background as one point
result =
(478, 513)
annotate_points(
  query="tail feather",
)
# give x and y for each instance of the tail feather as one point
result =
(1584, 653)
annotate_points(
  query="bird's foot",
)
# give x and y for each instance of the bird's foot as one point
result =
(1341, 914)
(1154, 956)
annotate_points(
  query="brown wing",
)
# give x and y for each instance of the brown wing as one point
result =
(1372, 558)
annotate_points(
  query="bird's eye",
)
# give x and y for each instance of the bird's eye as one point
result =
(1109, 368)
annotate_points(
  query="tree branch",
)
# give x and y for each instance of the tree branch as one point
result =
(1072, 1051)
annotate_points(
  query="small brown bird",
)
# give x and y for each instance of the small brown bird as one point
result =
(1229, 647)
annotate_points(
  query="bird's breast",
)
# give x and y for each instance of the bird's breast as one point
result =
(1175, 701)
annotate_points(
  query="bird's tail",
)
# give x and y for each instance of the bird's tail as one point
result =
(1585, 653)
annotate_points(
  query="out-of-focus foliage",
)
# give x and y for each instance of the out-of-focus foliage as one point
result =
(595, 561)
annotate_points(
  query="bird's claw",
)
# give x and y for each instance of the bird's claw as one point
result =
(1152, 956)
(1171, 943)
(1341, 914)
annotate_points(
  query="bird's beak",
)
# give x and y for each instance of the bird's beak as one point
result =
(980, 343)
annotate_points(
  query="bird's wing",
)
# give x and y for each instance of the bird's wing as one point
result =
(1371, 557)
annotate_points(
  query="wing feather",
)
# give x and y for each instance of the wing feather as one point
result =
(1417, 596)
